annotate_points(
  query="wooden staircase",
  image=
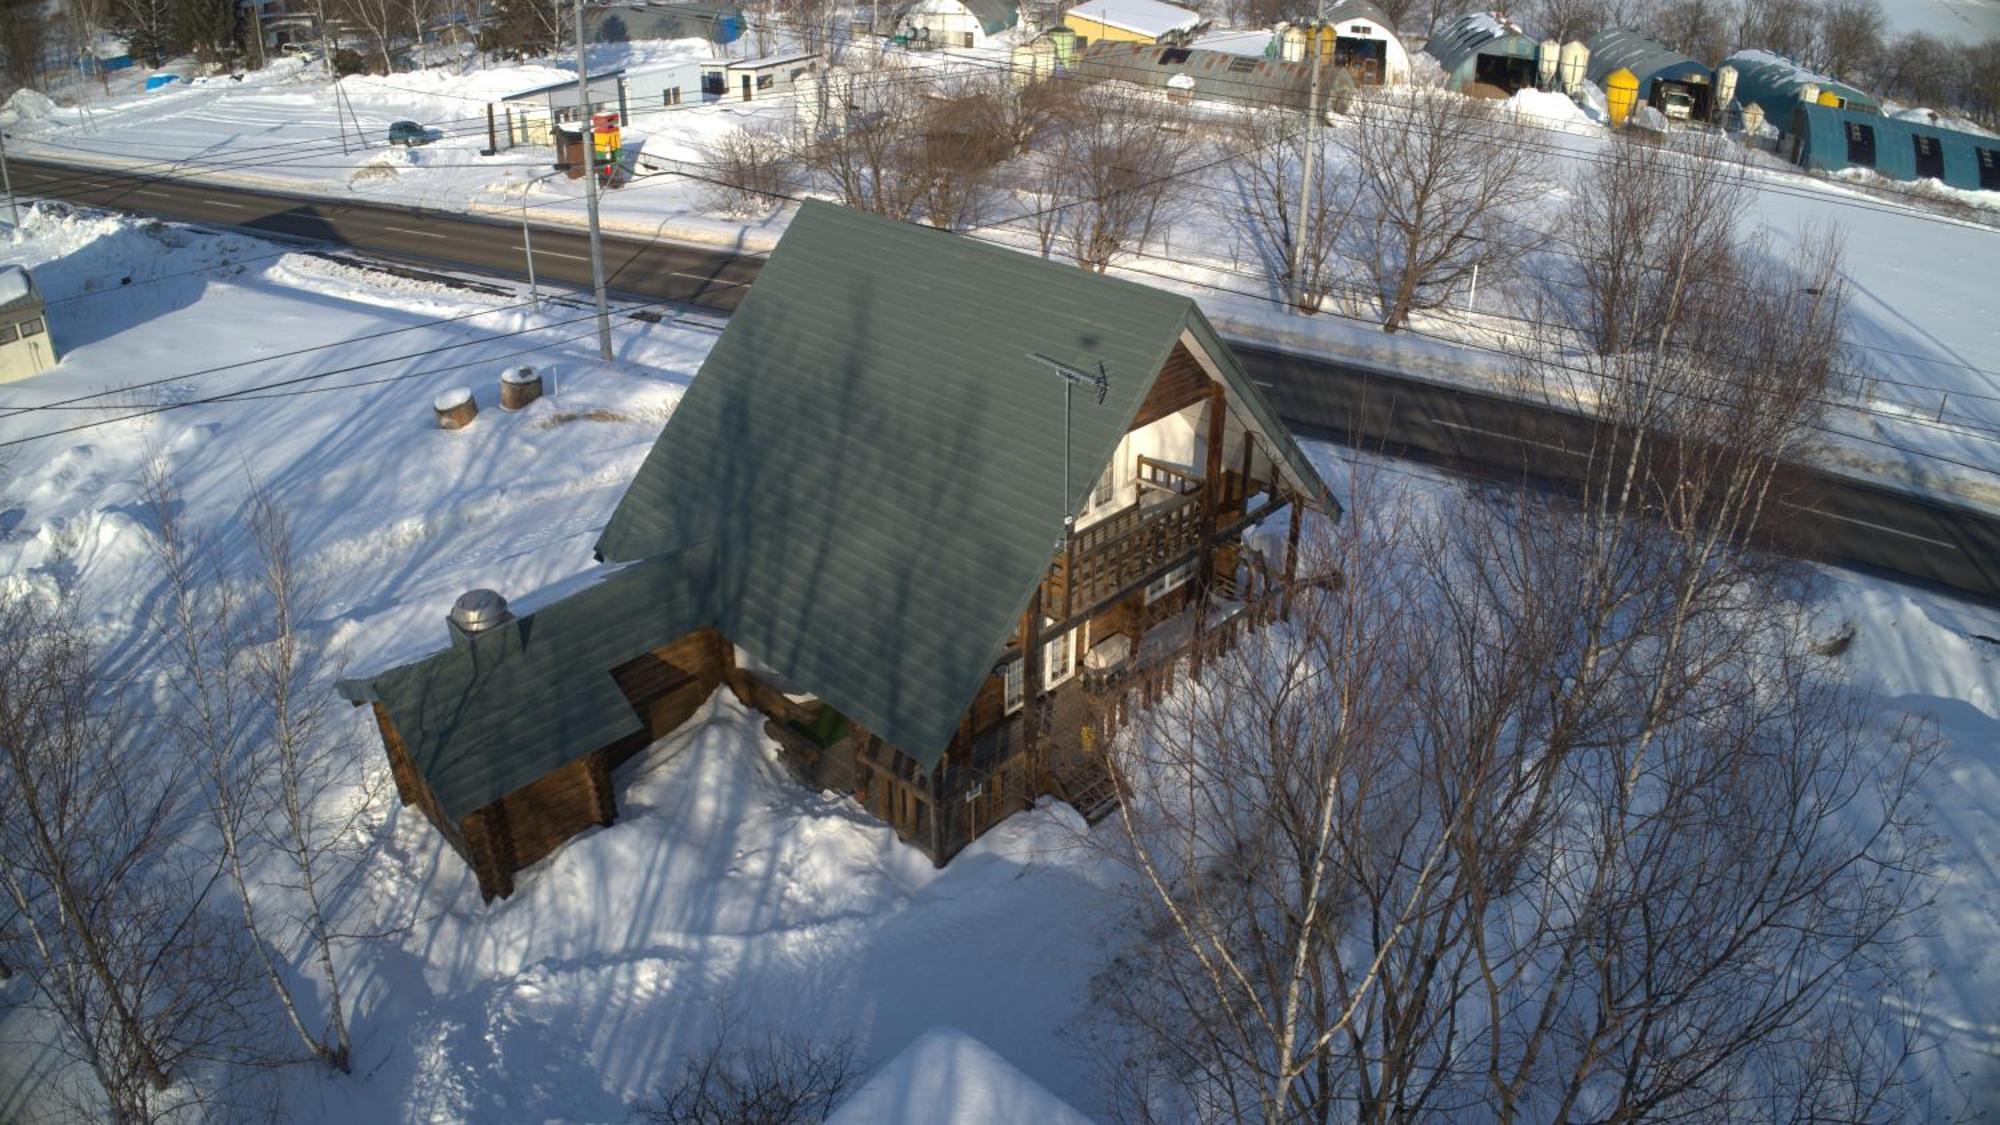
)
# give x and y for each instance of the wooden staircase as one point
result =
(1081, 778)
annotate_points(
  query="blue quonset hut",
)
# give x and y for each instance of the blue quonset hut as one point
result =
(1676, 85)
(1481, 55)
(1778, 84)
(1829, 138)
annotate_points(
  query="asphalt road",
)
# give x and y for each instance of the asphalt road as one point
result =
(1843, 521)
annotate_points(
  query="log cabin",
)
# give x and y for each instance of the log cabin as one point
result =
(938, 510)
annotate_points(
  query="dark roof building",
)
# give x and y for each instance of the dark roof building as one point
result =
(881, 501)
(850, 521)
(1673, 83)
(1482, 55)
(1826, 138)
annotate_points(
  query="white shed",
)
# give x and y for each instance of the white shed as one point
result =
(26, 348)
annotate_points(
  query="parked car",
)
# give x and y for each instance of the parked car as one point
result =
(407, 133)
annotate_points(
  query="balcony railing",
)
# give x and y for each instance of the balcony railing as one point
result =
(1119, 551)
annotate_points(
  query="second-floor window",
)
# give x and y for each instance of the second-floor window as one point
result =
(1058, 659)
(1012, 686)
(1101, 495)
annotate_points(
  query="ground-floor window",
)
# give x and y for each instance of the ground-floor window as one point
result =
(671, 96)
(1861, 144)
(1989, 169)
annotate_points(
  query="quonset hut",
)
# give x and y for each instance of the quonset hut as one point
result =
(1483, 56)
(1827, 138)
(1679, 87)
(1778, 85)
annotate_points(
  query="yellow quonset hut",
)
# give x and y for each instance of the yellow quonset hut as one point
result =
(1130, 21)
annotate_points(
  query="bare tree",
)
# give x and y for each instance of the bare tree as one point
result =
(961, 140)
(1123, 160)
(109, 908)
(775, 1079)
(1695, 27)
(1441, 180)
(1268, 150)
(861, 147)
(1648, 223)
(1850, 37)
(750, 172)
(1788, 27)
(1610, 838)
(253, 731)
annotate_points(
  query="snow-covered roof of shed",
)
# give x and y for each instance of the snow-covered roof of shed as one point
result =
(1256, 44)
(1475, 33)
(947, 1077)
(1142, 17)
(17, 289)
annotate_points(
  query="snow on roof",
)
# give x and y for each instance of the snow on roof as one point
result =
(1144, 17)
(947, 1077)
(1253, 43)
(16, 287)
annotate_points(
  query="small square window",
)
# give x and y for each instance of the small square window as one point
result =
(9, 334)
(31, 327)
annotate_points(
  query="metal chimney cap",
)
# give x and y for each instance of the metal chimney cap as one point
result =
(477, 610)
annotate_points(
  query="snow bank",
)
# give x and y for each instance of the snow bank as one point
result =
(1547, 106)
(947, 1077)
(26, 105)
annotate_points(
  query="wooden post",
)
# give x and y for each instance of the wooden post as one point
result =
(492, 846)
(1211, 485)
(602, 799)
(492, 137)
(1031, 680)
(937, 815)
(1243, 478)
(1291, 558)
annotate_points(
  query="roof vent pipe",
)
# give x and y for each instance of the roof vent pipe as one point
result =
(476, 611)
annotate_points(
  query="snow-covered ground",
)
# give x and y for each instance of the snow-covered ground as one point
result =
(725, 889)
(1925, 328)
(1970, 21)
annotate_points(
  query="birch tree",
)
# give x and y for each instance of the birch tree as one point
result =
(251, 725)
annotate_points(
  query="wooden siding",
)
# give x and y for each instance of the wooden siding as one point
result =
(1180, 384)
(410, 785)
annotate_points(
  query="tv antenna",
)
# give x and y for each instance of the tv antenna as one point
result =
(1072, 377)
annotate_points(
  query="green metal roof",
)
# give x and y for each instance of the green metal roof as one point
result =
(878, 461)
(1647, 59)
(499, 709)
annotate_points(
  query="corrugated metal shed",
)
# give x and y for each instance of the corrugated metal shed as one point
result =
(1774, 82)
(1647, 58)
(1458, 45)
(1829, 139)
(1222, 76)
(879, 462)
(482, 719)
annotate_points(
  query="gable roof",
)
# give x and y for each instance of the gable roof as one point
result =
(1140, 17)
(493, 713)
(879, 462)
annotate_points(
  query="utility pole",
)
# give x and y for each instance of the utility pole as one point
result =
(590, 189)
(1311, 165)
(7, 184)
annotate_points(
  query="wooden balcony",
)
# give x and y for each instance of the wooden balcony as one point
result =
(1114, 553)
(1110, 556)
